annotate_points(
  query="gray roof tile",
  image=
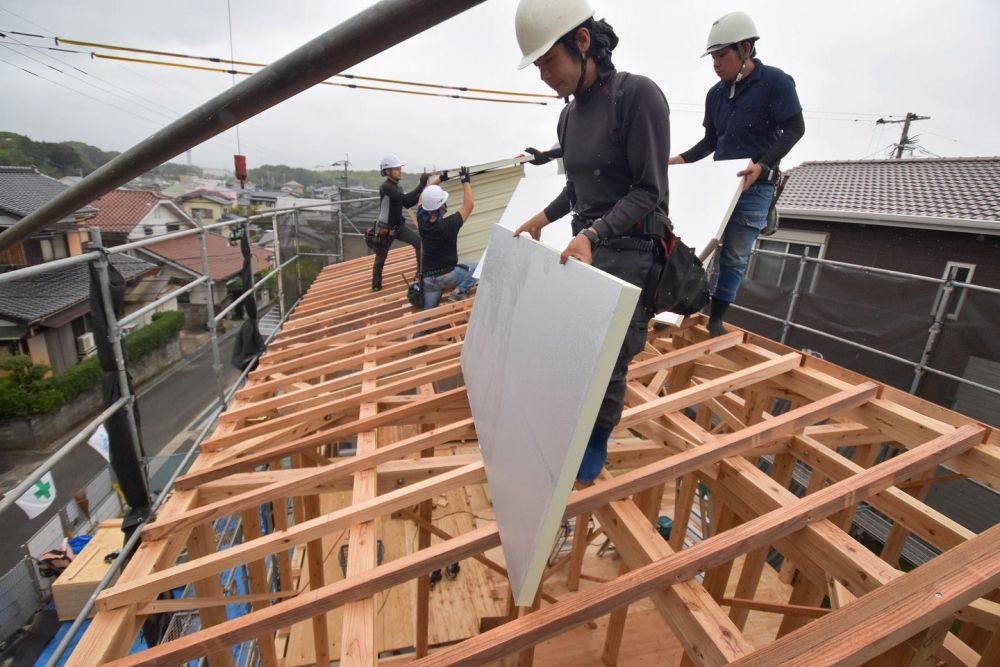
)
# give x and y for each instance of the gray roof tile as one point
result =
(25, 189)
(42, 295)
(946, 188)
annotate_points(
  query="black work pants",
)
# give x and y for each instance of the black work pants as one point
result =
(632, 266)
(406, 234)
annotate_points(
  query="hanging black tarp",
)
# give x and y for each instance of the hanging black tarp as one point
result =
(124, 450)
(249, 343)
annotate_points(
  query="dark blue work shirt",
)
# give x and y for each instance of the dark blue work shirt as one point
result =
(748, 125)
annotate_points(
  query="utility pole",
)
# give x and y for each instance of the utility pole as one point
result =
(904, 139)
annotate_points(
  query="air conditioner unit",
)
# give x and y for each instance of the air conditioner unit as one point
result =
(85, 344)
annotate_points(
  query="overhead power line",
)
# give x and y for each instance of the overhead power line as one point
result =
(359, 77)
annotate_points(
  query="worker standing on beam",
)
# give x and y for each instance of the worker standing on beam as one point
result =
(753, 112)
(439, 234)
(391, 225)
(615, 141)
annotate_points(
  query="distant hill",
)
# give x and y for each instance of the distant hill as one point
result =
(66, 158)
(273, 176)
(75, 158)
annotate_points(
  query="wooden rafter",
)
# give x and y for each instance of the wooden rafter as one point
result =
(349, 370)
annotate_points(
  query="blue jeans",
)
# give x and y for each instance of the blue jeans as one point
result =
(458, 277)
(748, 219)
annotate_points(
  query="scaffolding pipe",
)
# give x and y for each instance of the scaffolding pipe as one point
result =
(360, 37)
(124, 553)
(932, 336)
(277, 263)
(115, 338)
(11, 496)
(213, 325)
(796, 291)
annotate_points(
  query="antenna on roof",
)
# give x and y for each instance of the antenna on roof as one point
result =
(905, 143)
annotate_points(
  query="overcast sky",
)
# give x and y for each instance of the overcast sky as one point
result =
(852, 61)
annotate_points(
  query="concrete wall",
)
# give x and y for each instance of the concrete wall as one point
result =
(39, 432)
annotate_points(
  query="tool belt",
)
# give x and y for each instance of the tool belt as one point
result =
(656, 223)
(441, 272)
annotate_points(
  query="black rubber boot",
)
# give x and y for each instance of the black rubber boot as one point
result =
(715, 315)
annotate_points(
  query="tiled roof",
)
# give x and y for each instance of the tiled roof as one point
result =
(965, 189)
(25, 189)
(122, 210)
(224, 260)
(39, 296)
(224, 197)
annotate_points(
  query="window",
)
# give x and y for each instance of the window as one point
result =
(960, 272)
(782, 272)
(201, 213)
(53, 248)
(147, 230)
(173, 227)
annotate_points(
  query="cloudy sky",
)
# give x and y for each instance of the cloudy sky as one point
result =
(853, 62)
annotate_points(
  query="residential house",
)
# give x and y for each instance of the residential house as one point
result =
(259, 200)
(206, 205)
(179, 260)
(47, 315)
(938, 218)
(132, 215)
(293, 188)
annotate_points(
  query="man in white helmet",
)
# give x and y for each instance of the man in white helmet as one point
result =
(439, 235)
(753, 112)
(614, 138)
(391, 224)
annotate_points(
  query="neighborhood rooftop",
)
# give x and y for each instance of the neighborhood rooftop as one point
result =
(24, 190)
(937, 188)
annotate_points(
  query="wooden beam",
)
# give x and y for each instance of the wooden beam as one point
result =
(312, 478)
(686, 564)
(146, 588)
(250, 459)
(885, 617)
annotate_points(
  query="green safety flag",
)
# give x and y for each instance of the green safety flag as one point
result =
(37, 499)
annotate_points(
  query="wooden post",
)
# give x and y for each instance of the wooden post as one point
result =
(578, 551)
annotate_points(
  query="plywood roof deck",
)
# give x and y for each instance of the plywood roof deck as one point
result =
(701, 415)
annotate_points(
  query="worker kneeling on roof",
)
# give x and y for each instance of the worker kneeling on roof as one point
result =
(752, 112)
(614, 138)
(439, 236)
(391, 225)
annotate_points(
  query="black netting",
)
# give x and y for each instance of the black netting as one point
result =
(891, 314)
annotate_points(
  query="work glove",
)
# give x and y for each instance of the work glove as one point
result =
(444, 176)
(423, 179)
(464, 175)
(543, 157)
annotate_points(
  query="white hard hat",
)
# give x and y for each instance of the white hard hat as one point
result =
(388, 162)
(433, 197)
(540, 23)
(730, 29)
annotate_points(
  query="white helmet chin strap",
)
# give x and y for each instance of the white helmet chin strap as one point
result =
(739, 75)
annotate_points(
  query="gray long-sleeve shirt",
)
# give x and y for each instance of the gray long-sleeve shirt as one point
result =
(618, 174)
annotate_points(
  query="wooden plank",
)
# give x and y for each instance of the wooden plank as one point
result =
(142, 588)
(248, 460)
(202, 542)
(697, 621)
(882, 619)
(75, 584)
(259, 584)
(692, 395)
(310, 419)
(312, 479)
(686, 564)
(358, 628)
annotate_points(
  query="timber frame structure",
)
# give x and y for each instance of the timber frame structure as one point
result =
(702, 417)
